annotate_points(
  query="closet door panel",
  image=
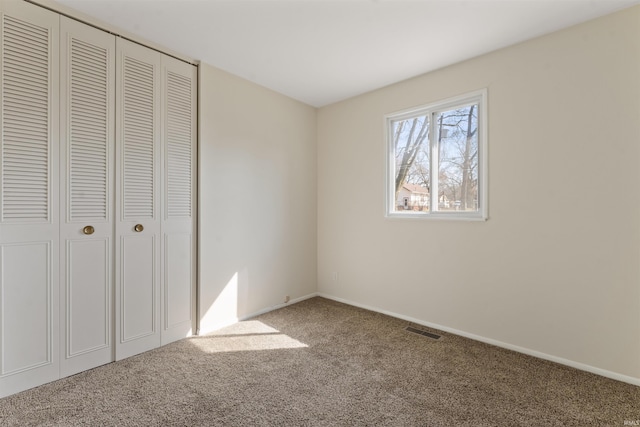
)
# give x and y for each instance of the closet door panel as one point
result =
(178, 290)
(178, 220)
(27, 303)
(87, 102)
(138, 293)
(29, 229)
(88, 288)
(138, 201)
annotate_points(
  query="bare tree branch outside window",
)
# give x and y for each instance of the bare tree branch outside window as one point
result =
(456, 144)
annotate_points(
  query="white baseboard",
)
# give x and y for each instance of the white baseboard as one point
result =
(228, 321)
(218, 325)
(534, 353)
(276, 307)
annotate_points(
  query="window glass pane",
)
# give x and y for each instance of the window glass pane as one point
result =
(412, 170)
(457, 133)
(435, 160)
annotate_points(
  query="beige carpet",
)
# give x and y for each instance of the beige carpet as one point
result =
(322, 363)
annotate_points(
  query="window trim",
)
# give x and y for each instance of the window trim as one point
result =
(479, 97)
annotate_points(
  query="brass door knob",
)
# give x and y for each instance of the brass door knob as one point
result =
(138, 228)
(88, 230)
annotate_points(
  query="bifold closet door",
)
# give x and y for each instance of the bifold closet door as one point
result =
(87, 92)
(29, 228)
(138, 150)
(179, 81)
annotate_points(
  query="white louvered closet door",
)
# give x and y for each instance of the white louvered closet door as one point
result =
(178, 214)
(138, 199)
(28, 197)
(87, 145)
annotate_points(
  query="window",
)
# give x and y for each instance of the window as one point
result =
(437, 160)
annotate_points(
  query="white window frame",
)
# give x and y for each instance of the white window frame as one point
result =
(482, 214)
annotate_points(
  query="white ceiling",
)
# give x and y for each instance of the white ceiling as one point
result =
(323, 51)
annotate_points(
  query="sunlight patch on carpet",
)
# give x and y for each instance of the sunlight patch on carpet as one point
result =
(250, 335)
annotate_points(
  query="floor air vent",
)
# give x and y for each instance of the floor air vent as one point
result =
(423, 333)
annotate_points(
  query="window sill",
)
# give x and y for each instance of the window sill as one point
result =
(441, 216)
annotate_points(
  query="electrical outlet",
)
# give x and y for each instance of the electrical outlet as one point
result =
(286, 299)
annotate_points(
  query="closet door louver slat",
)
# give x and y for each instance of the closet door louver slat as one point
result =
(25, 116)
(179, 145)
(88, 157)
(138, 130)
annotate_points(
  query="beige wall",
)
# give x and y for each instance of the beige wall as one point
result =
(257, 178)
(555, 270)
